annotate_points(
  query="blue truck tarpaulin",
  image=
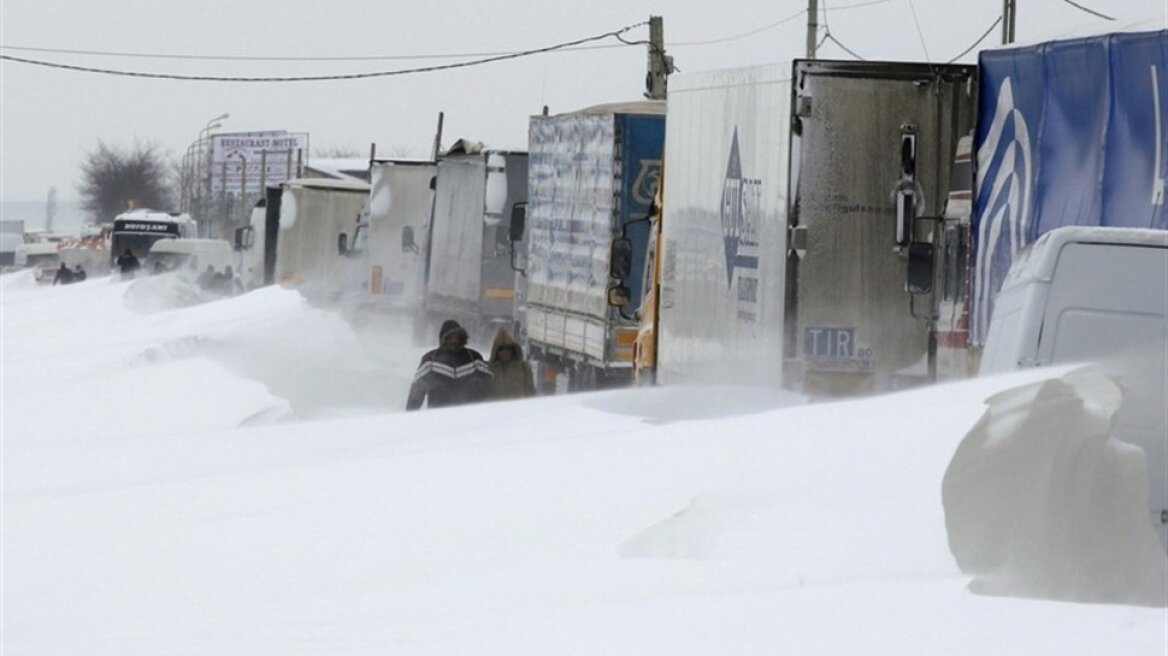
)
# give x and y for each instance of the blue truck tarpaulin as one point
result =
(1069, 133)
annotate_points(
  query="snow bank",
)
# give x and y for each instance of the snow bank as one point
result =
(159, 498)
(1040, 501)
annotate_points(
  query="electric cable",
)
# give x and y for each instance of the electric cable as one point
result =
(920, 34)
(997, 21)
(1088, 10)
(321, 78)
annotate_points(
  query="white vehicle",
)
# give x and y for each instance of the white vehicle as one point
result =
(1097, 294)
(792, 213)
(191, 256)
(389, 244)
(292, 237)
(468, 272)
(251, 242)
(43, 257)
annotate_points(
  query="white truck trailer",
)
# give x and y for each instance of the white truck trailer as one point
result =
(468, 265)
(796, 197)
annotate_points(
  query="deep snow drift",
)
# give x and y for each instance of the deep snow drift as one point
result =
(234, 478)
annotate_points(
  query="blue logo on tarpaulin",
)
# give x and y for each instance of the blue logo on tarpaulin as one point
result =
(739, 225)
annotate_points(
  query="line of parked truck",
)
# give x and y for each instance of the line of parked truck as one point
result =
(835, 227)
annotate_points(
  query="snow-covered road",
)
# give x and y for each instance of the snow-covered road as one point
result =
(234, 477)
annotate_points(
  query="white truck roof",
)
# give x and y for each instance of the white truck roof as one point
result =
(188, 245)
(655, 107)
(327, 183)
(1036, 263)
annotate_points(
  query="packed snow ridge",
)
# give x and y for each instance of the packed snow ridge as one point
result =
(236, 476)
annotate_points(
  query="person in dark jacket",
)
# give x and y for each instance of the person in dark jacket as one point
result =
(64, 275)
(451, 374)
(512, 374)
(128, 263)
(78, 273)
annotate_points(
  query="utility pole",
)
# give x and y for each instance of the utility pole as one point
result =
(660, 64)
(1009, 16)
(812, 27)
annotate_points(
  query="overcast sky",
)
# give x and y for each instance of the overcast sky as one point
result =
(49, 118)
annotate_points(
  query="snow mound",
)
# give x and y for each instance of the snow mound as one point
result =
(23, 279)
(1040, 501)
(163, 292)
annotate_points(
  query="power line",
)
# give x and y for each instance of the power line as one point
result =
(743, 35)
(912, 7)
(846, 49)
(828, 36)
(321, 78)
(276, 58)
(977, 43)
(1088, 10)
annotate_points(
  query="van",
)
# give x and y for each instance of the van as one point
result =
(190, 255)
(1096, 294)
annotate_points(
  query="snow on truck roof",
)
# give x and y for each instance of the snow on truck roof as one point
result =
(655, 107)
(188, 245)
(327, 183)
(1037, 261)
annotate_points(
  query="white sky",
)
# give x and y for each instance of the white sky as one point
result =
(49, 118)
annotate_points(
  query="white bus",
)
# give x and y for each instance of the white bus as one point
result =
(138, 229)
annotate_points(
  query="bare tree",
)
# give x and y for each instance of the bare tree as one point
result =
(114, 180)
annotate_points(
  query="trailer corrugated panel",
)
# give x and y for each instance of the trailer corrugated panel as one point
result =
(724, 229)
(456, 243)
(1069, 133)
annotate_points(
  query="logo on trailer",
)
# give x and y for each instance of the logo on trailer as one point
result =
(739, 213)
(1004, 179)
(648, 177)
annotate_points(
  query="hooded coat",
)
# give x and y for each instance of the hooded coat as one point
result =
(513, 379)
(450, 375)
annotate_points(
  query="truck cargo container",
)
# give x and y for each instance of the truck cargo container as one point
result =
(796, 199)
(1070, 132)
(468, 273)
(389, 243)
(592, 178)
(292, 239)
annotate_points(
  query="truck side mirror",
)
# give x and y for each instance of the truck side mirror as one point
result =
(342, 243)
(244, 238)
(518, 221)
(619, 296)
(621, 260)
(408, 245)
(433, 183)
(920, 268)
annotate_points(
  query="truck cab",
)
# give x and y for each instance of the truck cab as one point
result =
(1096, 294)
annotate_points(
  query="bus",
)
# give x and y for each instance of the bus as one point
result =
(138, 229)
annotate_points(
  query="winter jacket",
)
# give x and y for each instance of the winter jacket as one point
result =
(512, 378)
(64, 276)
(450, 375)
(127, 263)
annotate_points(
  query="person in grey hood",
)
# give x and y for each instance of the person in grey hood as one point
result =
(451, 374)
(513, 379)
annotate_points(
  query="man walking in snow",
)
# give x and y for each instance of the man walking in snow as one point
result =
(451, 374)
(64, 275)
(128, 264)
